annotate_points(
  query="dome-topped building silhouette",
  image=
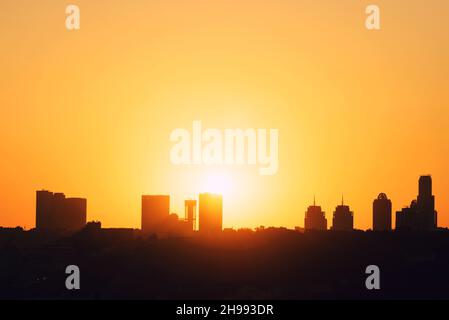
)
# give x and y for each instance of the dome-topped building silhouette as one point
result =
(382, 213)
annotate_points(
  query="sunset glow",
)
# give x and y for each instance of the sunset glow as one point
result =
(90, 112)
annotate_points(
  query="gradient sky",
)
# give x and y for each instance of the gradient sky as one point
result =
(89, 112)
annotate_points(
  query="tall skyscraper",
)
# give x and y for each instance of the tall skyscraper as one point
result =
(421, 214)
(56, 212)
(343, 219)
(426, 201)
(155, 212)
(210, 212)
(382, 213)
(315, 218)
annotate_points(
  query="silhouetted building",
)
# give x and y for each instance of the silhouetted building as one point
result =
(44, 209)
(93, 226)
(382, 213)
(11, 231)
(210, 212)
(315, 218)
(190, 213)
(56, 212)
(343, 219)
(421, 214)
(155, 212)
(174, 227)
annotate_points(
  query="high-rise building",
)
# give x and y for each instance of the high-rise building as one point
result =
(44, 209)
(382, 213)
(155, 212)
(315, 218)
(190, 213)
(56, 212)
(343, 219)
(210, 212)
(75, 209)
(421, 214)
(426, 201)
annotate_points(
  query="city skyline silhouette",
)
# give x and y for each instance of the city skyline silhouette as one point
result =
(89, 112)
(168, 259)
(228, 150)
(56, 212)
(196, 256)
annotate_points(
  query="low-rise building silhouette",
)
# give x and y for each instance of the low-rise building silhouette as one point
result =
(56, 212)
(210, 212)
(421, 214)
(156, 218)
(315, 218)
(177, 227)
(382, 213)
(343, 219)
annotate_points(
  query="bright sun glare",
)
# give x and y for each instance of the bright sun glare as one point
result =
(218, 183)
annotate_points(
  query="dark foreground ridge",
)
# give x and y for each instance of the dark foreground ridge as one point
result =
(264, 264)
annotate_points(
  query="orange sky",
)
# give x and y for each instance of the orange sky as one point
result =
(89, 112)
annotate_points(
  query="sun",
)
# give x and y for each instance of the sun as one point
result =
(218, 182)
